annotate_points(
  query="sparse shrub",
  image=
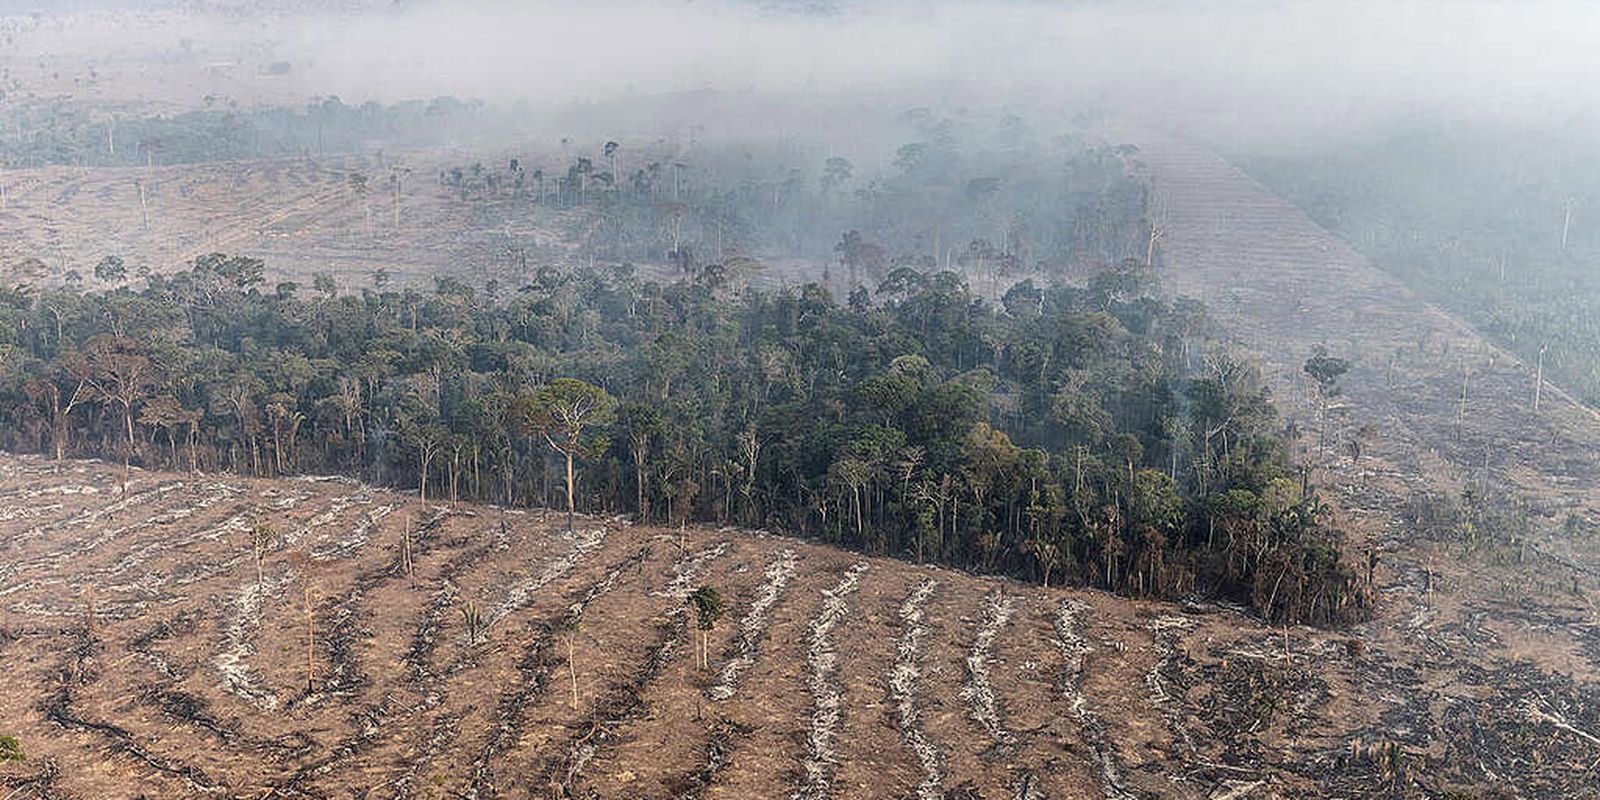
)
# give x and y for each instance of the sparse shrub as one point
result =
(11, 750)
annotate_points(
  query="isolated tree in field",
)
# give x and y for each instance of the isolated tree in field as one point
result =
(1538, 375)
(310, 599)
(708, 608)
(567, 412)
(1326, 371)
(569, 631)
(261, 536)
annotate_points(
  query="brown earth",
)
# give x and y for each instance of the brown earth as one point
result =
(142, 659)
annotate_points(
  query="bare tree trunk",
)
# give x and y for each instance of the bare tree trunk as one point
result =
(571, 503)
(1566, 224)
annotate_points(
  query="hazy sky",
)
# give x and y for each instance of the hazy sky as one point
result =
(1274, 68)
(1273, 71)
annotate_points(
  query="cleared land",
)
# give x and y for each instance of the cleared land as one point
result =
(338, 215)
(143, 652)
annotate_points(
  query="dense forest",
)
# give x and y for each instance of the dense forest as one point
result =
(1094, 434)
(1495, 225)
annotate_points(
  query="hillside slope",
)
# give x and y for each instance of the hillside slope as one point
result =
(1490, 613)
(144, 658)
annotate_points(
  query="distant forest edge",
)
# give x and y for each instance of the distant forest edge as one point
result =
(1501, 227)
(56, 133)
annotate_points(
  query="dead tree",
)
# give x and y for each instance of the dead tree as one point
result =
(570, 631)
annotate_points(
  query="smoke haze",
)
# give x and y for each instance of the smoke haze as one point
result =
(1248, 71)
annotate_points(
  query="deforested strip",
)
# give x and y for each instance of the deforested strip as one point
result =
(625, 702)
(533, 676)
(238, 638)
(1074, 648)
(689, 570)
(1166, 641)
(823, 681)
(583, 543)
(240, 629)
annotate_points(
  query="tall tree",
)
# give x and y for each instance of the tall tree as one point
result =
(566, 413)
(121, 376)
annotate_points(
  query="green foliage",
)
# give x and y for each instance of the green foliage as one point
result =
(1093, 436)
(707, 605)
(567, 412)
(11, 750)
(1326, 370)
(1087, 431)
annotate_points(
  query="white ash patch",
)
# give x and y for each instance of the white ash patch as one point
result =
(903, 680)
(979, 689)
(690, 569)
(79, 549)
(11, 513)
(827, 700)
(358, 536)
(583, 542)
(1074, 650)
(1166, 630)
(753, 628)
(239, 642)
(90, 516)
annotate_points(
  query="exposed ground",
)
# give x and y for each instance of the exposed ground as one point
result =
(304, 216)
(301, 215)
(144, 658)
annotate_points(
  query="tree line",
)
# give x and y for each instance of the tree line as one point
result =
(1093, 434)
